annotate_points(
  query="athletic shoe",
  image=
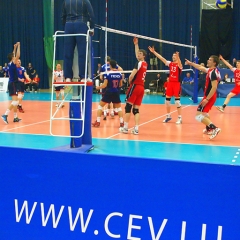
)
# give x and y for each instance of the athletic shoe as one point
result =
(208, 132)
(4, 118)
(68, 80)
(134, 131)
(179, 121)
(123, 130)
(104, 118)
(221, 109)
(112, 115)
(96, 124)
(167, 119)
(17, 119)
(115, 113)
(56, 105)
(121, 125)
(21, 109)
(215, 132)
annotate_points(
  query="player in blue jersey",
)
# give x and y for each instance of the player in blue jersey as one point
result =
(22, 75)
(104, 68)
(12, 84)
(112, 82)
(5, 69)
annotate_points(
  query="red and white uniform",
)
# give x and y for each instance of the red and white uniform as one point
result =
(236, 89)
(212, 74)
(58, 76)
(135, 92)
(174, 84)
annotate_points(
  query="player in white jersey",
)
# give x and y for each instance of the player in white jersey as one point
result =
(236, 90)
(58, 77)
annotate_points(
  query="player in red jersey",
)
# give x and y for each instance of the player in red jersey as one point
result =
(174, 85)
(236, 90)
(210, 94)
(135, 92)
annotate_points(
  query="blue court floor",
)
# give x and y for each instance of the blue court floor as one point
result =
(207, 153)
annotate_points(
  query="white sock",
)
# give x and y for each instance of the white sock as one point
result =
(126, 125)
(98, 119)
(7, 112)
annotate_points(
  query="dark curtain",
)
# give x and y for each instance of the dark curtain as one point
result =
(236, 30)
(178, 18)
(134, 16)
(24, 23)
(216, 33)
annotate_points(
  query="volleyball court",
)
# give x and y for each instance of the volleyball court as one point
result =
(152, 112)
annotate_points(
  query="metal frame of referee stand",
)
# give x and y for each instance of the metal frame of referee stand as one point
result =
(80, 129)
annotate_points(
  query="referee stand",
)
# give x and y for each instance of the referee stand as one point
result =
(80, 104)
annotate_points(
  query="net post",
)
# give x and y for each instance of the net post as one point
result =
(87, 136)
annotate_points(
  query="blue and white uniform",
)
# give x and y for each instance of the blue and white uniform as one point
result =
(112, 89)
(21, 85)
(13, 79)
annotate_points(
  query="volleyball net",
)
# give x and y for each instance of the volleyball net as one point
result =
(119, 46)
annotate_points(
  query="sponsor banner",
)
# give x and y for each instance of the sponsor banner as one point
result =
(64, 195)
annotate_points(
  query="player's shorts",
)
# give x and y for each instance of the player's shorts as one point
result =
(173, 89)
(109, 97)
(135, 94)
(20, 86)
(58, 88)
(236, 90)
(154, 61)
(12, 89)
(209, 104)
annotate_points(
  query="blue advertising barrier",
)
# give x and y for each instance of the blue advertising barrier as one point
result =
(48, 195)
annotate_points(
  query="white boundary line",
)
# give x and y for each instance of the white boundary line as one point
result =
(7, 130)
(148, 121)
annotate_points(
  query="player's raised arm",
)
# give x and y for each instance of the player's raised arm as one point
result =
(195, 65)
(179, 60)
(135, 41)
(157, 55)
(17, 52)
(225, 62)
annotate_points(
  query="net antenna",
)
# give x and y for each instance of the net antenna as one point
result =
(106, 24)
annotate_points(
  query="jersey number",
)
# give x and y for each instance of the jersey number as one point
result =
(115, 83)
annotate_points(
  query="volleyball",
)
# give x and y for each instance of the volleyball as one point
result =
(221, 4)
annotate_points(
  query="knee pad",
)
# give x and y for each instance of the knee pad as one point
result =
(199, 117)
(167, 101)
(128, 108)
(15, 103)
(135, 111)
(100, 107)
(119, 109)
(177, 102)
(20, 96)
